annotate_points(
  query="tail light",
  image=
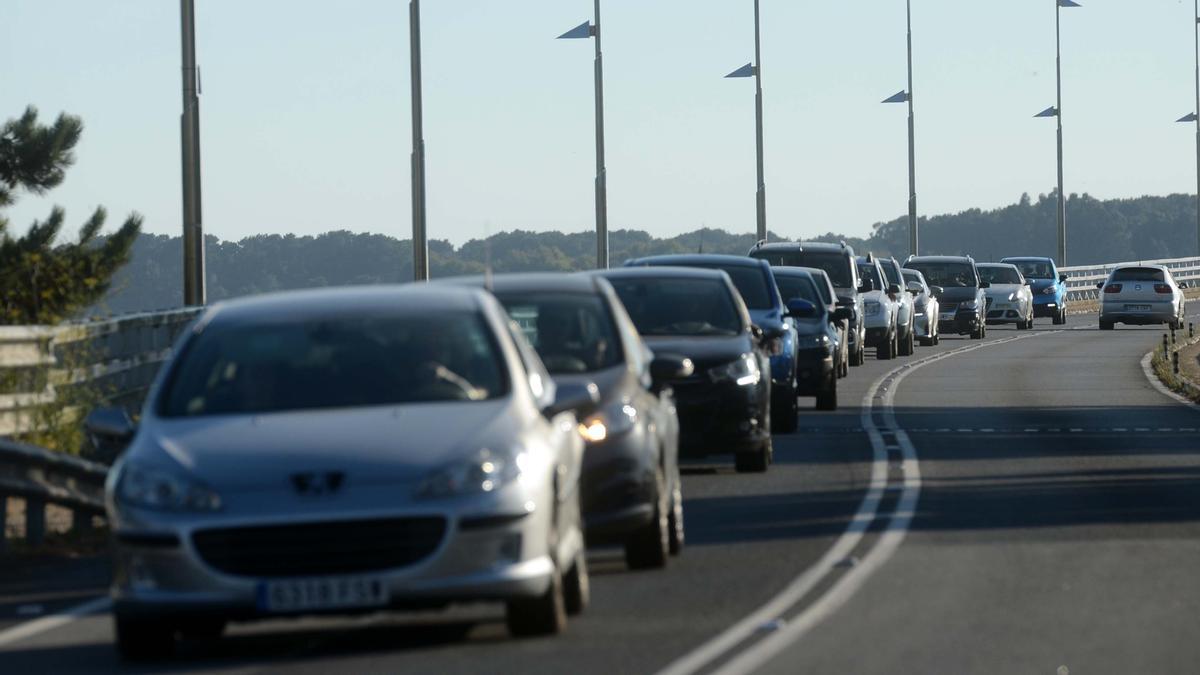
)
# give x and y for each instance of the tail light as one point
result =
(1162, 288)
(1112, 288)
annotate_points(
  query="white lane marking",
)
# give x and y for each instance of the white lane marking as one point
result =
(1148, 370)
(795, 591)
(56, 620)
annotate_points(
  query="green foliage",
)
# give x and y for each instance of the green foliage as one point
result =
(42, 282)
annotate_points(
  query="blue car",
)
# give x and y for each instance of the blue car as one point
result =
(1049, 287)
(756, 284)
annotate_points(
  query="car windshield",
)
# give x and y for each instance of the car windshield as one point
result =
(823, 286)
(679, 306)
(751, 284)
(572, 332)
(792, 287)
(836, 265)
(1138, 274)
(1035, 269)
(335, 363)
(892, 272)
(999, 275)
(948, 274)
(870, 271)
(913, 275)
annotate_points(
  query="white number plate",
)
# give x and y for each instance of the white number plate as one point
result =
(1138, 308)
(947, 316)
(299, 595)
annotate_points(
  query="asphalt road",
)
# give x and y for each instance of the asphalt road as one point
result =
(1012, 505)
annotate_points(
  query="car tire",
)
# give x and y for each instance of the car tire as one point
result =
(545, 614)
(828, 399)
(649, 546)
(675, 523)
(202, 629)
(143, 638)
(577, 589)
(907, 347)
(787, 416)
(753, 462)
(1106, 325)
(978, 333)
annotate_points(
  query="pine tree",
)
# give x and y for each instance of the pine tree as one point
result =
(42, 281)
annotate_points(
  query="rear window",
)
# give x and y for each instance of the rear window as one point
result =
(1138, 274)
(679, 306)
(947, 274)
(792, 287)
(837, 265)
(335, 363)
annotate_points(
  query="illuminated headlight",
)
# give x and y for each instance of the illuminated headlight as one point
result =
(486, 471)
(1049, 290)
(968, 305)
(743, 371)
(613, 421)
(872, 308)
(812, 341)
(153, 488)
(1012, 296)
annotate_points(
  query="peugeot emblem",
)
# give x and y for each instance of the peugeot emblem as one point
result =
(315, 484)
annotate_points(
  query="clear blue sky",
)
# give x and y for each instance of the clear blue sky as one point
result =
(305, 110)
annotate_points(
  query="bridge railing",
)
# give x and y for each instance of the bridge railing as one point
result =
(1082, 279)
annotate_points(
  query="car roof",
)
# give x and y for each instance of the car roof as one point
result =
(661, 272)
(315, 304)
(698, 259)
(516, 282)
(999, 264)
(1125, 266)
(803, 245)
(1030, 258)
(940, 258)
(781, 270)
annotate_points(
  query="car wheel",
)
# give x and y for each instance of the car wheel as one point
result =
(577, 590)
(828, 400)
(143, 638)
(787, 412)
(977, 334)
(753, 462)
(649, 545)
(1106, 325)
(202, 629)
(545, 614)
(675, 524)
(907, 347)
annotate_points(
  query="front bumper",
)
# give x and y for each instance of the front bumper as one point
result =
(1004, 312)
(814, 369)
(1047, 305)
(961, 322)
(922, 326)
(618, 486)
(720, 417)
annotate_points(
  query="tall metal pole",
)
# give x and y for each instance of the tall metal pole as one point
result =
(761, 196)
(913, 236)
(189, 130)
(1062, 198)
(419, 241)
(601, 171)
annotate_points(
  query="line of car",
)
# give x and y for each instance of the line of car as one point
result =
(358, 449)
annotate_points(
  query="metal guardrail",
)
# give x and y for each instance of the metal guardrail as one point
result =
(42, 477)
(1082, 279)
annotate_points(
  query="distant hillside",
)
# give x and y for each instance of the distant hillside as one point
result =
(1098, 231)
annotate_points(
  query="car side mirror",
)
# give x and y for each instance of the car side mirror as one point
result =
(800, 308)
(1182, 285)
(893, 289)
(985, 284)
(1029, 282)
(666, 368)
(843, 314)
(1099, 284)
(756, 332)
(915, 287)
(579, 397)
(867, 286)
(110, 430)
(1062, 278)
(937, 291)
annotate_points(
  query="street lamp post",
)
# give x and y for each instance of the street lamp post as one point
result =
(903, 97)
(420, 241)
(1056, 111)
(755, 70)
(189, 128)
(1195, 116)
(587, 30)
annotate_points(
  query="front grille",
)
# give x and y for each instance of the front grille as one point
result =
(311, 549)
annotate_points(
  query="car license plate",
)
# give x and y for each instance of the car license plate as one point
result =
(947, 316)
(300, 595)
(1138, 308)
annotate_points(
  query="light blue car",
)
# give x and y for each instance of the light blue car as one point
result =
(1049, 287)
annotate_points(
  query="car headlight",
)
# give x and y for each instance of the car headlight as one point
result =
(743, 371)
(1012, 296)
(812, 341)
(485, 471)
(1049, 290)
(613, 421)
(968, 304)
(153, 488)
(872, 308)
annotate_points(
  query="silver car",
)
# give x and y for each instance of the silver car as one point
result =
(345, 451)
(880, 308)
(925, 308)
(1141, 294)
(1010, 296)
(905, 335)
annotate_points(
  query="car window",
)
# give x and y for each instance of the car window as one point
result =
(751, 283)
(836, 265)
(870, 271)
(947, 274)
(1035, 269)
(791, 287)
(572, 332)
(823, 286)
(892, 271)
(1138, 274)
(679, 306)
(913, 275)
(347, 362)
(999, 275)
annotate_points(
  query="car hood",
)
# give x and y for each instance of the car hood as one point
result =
(704, 351)
(369, 445)
(767, 319)
(1042, 284)
(1002, 291)
(958, 294)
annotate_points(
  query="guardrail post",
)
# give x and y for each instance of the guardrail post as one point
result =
(35, 520)
(1191, 330)
(1172, 334)
(3, 521)
(1175, 361)
(1166, 347)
